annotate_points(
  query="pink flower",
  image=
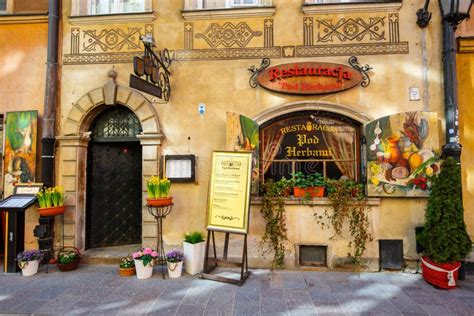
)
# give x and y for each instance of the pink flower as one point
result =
(147, 251)
(154, 254)
(136, 255)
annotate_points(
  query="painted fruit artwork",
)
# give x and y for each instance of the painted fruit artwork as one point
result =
(402, 154)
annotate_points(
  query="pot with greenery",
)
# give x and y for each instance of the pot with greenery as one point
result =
(309, 185)
(444, 237)
(273, 211)
(51, 201)
(127, 266)
(194, 248)
(28, 261)
(144, 261)
(349, 204)
(174, 261)
(158, 191)
(68, 259)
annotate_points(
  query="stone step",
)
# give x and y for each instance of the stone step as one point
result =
(108, 255)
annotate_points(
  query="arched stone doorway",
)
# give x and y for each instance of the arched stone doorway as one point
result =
(114, 168)
(74, 141)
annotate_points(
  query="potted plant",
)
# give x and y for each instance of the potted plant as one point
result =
(51, 201)
(29, 261)
(444, 237)
(194, 249)
(127, 266)
(68, 259)
(144, 261)
(174, 261)
(309, 185)
(158, 191)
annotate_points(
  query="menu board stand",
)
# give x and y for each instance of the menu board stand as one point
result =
(228, 209)
(211, 263)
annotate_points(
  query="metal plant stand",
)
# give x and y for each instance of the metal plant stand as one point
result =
(160, 213)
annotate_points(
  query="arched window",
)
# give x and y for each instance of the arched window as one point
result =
(116, 124)
(309, 142)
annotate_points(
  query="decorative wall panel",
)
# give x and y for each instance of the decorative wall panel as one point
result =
(106, 45)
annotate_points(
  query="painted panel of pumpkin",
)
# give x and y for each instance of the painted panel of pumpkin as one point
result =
(402, 154)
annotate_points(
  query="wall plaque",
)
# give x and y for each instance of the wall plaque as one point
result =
(309, 78)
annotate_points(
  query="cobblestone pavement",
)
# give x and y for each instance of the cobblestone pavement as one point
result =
(98, 289)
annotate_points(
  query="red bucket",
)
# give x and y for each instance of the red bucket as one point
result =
(440, 278)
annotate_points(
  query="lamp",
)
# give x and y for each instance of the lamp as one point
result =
(455, 11)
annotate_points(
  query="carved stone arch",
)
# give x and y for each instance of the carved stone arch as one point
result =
(327, 106)
(73, 143)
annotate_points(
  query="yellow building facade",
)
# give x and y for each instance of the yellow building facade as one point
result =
(212, 48)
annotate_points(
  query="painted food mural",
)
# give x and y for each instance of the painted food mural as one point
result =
(20, 149)
(402, 154)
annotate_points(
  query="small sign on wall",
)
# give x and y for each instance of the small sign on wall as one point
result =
(180, 168)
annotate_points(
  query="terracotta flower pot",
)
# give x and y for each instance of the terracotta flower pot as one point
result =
(312, 191)
(159, 201)
(51, 211)
(127, 271)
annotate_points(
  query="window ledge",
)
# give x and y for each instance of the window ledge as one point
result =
(258, 200)
(24, 18)
(143, 17)
(350, 8)
(230, 13)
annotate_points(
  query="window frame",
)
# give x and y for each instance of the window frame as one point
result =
(342, 2)
(358, 127)
(76, 9)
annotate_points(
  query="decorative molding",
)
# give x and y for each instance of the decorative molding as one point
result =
(308, 30)
(111, 39)
(112, 18)
(352, 49)
(268, 32)
(233, 13)
(100, 58)
(228, 53)
(188, 35)
(351, 29)
(228, 35)
(23, 19)
(288, 51)
(394, 28)
(350, 8)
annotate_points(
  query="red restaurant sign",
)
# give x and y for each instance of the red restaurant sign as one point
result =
(309, 78)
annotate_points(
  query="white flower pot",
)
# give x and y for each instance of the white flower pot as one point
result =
(31, 268)
(174, 269)
(142, 271)
(194, 257)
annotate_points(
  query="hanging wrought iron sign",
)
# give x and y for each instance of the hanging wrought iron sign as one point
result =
(309, 78)
(154, 66)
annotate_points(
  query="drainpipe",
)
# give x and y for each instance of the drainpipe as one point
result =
(50, 97)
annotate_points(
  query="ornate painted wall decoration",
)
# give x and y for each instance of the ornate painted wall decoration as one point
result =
(106, 45)
(20, 149)
(351, 35)
(402, 154)
(228, 40)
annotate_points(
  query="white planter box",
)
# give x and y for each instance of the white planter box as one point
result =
(194, 257)
(31, 268)
(142, 271)
(174, 269)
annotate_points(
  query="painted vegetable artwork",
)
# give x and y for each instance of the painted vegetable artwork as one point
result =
(402, 154)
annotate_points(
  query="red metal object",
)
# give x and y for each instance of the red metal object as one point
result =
(52, 211)
(438, 278)
(311, 191)
(160, 201)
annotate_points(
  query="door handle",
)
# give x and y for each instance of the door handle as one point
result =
(11, 236)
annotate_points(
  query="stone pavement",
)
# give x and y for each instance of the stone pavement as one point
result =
(98, 289)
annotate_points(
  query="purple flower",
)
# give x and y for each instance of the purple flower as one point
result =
(174, 256)
(29, 255)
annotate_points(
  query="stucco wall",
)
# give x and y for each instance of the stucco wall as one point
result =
(223, 86)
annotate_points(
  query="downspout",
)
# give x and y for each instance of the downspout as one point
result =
(50, 97)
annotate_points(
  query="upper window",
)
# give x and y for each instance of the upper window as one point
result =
(3, 5)
(348, 1)
(310, 142)
(224, 4)
(97, 7)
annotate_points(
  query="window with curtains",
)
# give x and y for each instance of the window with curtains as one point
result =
(348, 1)
(224, 4)
(310, 142)
(97, 7)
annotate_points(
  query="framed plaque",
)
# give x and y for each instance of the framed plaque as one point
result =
(229, 192)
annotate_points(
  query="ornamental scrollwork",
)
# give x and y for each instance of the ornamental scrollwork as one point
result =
(354, 62)
(253, 82)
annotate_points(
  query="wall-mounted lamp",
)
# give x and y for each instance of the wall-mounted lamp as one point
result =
(453, 12)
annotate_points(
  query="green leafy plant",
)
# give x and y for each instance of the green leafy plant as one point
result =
(49, 197)
(67, 256)
(194, 237)
(444, 237)
(127, 262)
(273, 212)
(350, 205)
(309, 180)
